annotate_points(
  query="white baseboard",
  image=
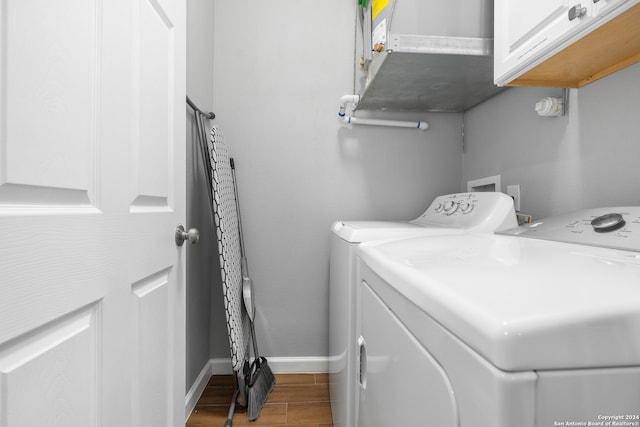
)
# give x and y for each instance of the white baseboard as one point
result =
(197, 388)
(221, 366)
(299, 365)
(279, 365)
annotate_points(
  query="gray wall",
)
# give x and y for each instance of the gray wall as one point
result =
(588, 158)
(280, 69)
(201, 258)
(274, 71)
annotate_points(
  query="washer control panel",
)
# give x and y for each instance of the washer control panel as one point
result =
(463, 204)
(615, 227)
(480, 211)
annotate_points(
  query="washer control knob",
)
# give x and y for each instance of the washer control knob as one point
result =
(466, 207)
(608, 222)
(450, 207)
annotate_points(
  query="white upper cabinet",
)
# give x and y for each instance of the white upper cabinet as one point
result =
(563, 43)
(525, 30)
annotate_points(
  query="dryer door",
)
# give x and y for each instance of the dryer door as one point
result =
(401, 383)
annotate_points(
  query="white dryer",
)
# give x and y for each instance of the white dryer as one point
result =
(537, 327)
(447, 214)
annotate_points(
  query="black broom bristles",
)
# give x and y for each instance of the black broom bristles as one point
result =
(262, 382)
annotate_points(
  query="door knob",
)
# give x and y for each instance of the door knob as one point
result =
(193, 235)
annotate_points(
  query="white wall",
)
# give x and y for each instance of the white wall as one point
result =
(279, 71)
(588, 158)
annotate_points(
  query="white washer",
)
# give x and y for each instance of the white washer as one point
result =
(447, 214)
(538, 327)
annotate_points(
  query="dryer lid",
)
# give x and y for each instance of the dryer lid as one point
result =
(523, 304)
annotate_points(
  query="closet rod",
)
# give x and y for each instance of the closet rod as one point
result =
(209, 116)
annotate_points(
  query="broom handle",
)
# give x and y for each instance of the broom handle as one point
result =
(254, 340)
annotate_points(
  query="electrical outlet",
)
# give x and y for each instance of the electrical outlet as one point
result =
(514, 192)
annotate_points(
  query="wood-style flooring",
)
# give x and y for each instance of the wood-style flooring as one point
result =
(297, 400)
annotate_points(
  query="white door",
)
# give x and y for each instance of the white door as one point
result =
(91, 190)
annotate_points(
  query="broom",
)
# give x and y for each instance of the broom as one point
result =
(260, 379)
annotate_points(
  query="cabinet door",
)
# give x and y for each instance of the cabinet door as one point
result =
(527, 32)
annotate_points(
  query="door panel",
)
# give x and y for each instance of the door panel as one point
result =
(49, 88)
(153, 48)
(531, 17)
(92, 186)
(152, 325)
(56, 368)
